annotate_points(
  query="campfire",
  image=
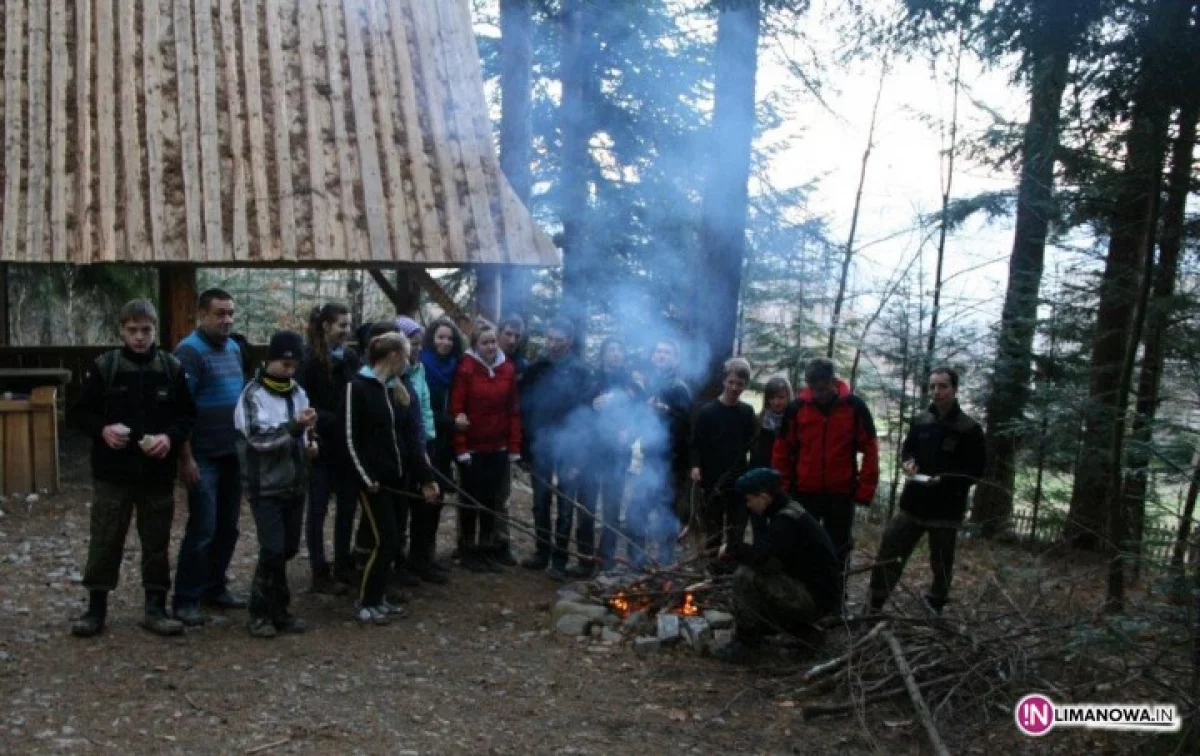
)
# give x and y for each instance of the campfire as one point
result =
(626, 603)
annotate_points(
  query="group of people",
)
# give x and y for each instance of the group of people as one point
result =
(417, 412)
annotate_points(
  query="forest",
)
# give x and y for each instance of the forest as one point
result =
(1002, 186)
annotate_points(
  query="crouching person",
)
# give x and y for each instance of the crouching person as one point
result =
(786, 583)
(138, 411)
(275, 420)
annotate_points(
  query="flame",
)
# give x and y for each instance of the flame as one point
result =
(625, 605)
(689, 608)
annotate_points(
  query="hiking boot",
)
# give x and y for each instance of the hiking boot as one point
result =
(92, 622)
(582, 571)
(261, 627)
(371, 615)
(557, 574)
(88, 626)
(156, 621)
(190, 615)
(503, 556)
(536, 562)
(324, 584)
(290, 624)
(226, 599)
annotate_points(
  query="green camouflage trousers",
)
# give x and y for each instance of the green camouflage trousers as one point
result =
(767, 604)
(113, 506)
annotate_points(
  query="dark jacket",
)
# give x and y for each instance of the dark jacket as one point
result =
(614, 422)
(488, 397)
(818, 447)
(721, 438)
(149, 394)
(326, 389)
(799, 547)
(675, 420)
(763, 446)
(384, 444)
(951, 447)
(551, 392)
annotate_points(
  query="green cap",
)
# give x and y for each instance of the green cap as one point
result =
(758, 480)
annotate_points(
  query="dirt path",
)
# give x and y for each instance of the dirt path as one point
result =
(474, 669)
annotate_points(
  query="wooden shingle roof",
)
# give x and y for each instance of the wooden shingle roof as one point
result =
(230, 132)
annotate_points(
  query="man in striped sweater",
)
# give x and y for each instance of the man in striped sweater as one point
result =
(209, 463)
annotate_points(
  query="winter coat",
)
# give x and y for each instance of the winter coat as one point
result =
(675, 439)
(439, 377)
(272, 441)
(383, 437)
(952, 447)
(615, 422)
(818, 447)
(551, 394)
(721, 439)
(326, 391)
(488, 397)
(148, 394)
(416, 379)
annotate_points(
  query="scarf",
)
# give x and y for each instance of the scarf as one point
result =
(337, 354)
(276, 386)
(439, 370)
(771, 420)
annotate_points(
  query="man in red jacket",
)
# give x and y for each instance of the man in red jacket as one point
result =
(823, 433)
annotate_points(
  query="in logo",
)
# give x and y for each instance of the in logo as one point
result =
(1035, 715)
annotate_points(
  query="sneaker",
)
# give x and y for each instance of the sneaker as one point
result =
(190, 615)
(157, 622)
(291, 625)
(392, 610)
(557, 574)
(372, 615)
(226, 599)
(261, 627)
(536, 562)
(87, 626)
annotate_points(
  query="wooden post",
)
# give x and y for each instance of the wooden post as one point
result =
(488, 289)
(176, 303)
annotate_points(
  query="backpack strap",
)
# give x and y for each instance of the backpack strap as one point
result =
(109, 365)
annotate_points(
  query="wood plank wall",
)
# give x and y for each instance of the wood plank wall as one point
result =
(251, 131)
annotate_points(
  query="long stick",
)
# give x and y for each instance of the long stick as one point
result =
(914, 692)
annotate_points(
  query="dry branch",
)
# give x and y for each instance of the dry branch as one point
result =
(914, 692)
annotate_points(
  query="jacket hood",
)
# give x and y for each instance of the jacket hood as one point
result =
(500, 360)
(843, 391)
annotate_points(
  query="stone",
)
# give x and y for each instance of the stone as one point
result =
(591, 611)
(610, 636)
(668, 627)
(596, 630)
(646, 645)
(718, 620)
(573, 624)
(571, 595)
(697, 632)
(720, 639)
(638, 623)
(610, 620)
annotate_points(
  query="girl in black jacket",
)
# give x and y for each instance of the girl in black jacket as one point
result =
(327, 367)
(776, 397)
(386, 449)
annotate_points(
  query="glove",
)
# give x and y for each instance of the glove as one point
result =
(464, 459)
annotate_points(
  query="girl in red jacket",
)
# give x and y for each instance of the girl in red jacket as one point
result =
(487, 438)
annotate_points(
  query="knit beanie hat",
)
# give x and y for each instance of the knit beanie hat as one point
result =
(758, 480)
(408, 326)
(285, 345)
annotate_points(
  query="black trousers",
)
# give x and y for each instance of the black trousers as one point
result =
(723, 517)
(902, 535)
(379, 518)
(835, 512)
(483, 480)
(426, 519)
(278, 521)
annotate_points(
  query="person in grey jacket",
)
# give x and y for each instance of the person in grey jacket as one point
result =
(275, 423)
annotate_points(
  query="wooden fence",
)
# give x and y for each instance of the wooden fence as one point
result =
(1157, 543)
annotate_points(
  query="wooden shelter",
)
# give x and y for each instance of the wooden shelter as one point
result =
(251, 132)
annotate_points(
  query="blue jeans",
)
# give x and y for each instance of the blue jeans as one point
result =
(214, 505)
(328, 481)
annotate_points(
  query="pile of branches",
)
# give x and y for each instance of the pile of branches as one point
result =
(971, 669)
(654, 589)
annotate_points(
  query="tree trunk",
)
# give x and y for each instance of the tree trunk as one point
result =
(1132, 240)
(1159, 319)
(839, 300)
(1014, 351)
(516, 130)
(176, 303)
(947, 183)
(726, 189)
(573, 189)
(1184, 533)
(404, 294)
